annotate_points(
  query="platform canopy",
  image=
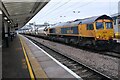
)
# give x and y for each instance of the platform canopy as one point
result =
(19, 12)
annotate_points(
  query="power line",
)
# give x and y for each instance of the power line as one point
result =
(69, 7)
(67, 10)
(57, 7)
(51, 7)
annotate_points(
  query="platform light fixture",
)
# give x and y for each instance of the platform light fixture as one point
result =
(8, 21)
(5, 18)
(0, 12)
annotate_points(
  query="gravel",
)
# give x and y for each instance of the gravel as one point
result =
(102, 63)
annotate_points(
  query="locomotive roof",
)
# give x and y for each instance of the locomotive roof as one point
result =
(95, 18)
(83, 21)
(74, 23)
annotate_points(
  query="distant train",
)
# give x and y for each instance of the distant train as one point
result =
(95, 31)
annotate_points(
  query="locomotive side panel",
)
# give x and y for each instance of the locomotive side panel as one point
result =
(86, 30)
(69, 30)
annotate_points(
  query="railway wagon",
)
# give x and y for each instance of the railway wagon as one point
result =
(96, 31)
(41, 32)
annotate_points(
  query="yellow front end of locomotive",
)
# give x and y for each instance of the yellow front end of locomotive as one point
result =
(104, 30)
(104, 34)
(117, 35)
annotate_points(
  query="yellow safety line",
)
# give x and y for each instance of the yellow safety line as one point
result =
(28, 63)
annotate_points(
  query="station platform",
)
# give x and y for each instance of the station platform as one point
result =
(13, 61)
(24, 59)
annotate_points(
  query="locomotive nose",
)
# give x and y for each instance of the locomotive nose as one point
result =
(104, 35)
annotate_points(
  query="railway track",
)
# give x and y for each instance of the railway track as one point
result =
(113, 53)
(117, 49)
(85, 72)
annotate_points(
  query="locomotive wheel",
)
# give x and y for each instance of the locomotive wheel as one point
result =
(67, 40)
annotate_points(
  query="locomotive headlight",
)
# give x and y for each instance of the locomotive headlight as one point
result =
(97, 37)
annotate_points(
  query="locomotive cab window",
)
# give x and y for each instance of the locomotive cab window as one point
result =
(99, 25)
(109, 25)
(90, 27)
(52, 30)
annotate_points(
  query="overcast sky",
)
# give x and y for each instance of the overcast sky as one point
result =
(67, 10)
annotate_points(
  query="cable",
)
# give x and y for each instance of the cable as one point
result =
(51, 7)
(77, 7)
(69, 9)
(57, 8)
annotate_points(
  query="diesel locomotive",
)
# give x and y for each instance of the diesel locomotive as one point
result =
(97, 32)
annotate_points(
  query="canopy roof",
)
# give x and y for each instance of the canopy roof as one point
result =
(21, 11)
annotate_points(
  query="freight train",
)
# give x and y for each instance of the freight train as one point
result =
(97, 32)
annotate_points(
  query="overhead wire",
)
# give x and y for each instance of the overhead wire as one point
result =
(51, 7)
(57, 8)
(67, 10)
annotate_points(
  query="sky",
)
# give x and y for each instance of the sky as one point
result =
(67, 10)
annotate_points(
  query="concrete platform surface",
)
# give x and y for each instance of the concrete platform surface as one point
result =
(13, 61)
(49, 65)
